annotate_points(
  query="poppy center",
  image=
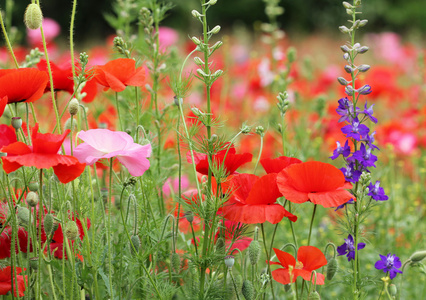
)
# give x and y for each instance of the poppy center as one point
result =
(299, 265)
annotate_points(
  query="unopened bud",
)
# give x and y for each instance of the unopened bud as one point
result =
(313, 296)
(342, 81)
(71, 230)
(16, 122)
(73, 107)
(215, 29)
(363, 68)
(291, 54)
(365, 90)
(48, 224)
(348, 69)
(32, 199)
(33, 186)
(217, 45)
(189, 216)
(176, 262)
(33, 16)
(346, 56)
(177, 101)
(260, 130)
(349, 90)
(254, 252)
(393, 290)
(349, 12)
(345, 48)
(347, 5)
(135, 244)
(248, 290)
(362, 49)
(34, 263)
(362, 23)
(344, 29)
(331, 268)
(23, 216)
(198, 61)
(211, 2)
(196, 14)
(418, 256)
(218, 73)
(196, 40)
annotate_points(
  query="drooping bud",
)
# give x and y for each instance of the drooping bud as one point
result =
(73, 107)
(348, 69)
(362, 23)
(32, 199)
(71, 230)
(254, 252)
(23, 216)
(314, 296)
(331, 268)
(362, 49)
(196, 14)
(345, 48)
(229, 261)
(393, 290)
(189, 216)
(363, 68)
(16, 122)
(176, 262)
(48, 224)
(198, 61)
(418, 256)
(135, 244)
(342, 81)
(344, 29)
(196, 40)
(248, 290)
(215, 29)
(33, 16)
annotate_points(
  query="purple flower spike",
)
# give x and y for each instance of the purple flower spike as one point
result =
(346, 110)
(348, 248)
(377, 192)
(356, 130)
(389, 263)
(350, 173)
(369, 113)
(364, 90)
(345, 150)
(364, 156)
(369, 139)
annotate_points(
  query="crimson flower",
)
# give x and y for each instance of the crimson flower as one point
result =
(119, 73)
(22, 85)
(63, 80)
(309, 258)
(230, 160)
(3, 102)
(314, 181)
(7, 135)
(43, 154)
(6, 281)
(275, 165)
(253, 200)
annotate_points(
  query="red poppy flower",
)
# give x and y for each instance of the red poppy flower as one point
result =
(231, 240)
(253, 200)
(309, 258)
(231, 162)
(22, 85)
(314, 181)
(6, 281)
(119, 73)
(277, 164)
(3, 102)
(63, 81)
(7, 135)
(42, 155)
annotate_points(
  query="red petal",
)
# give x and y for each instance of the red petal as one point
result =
(47, 143)
(17, 148)
(288, 191)
(62, 77)
(285, 258)
(331, 198)
(3, 102)
(306, 275)
(282, 276)
(137, 79)
(7, 136)
(241, 185)
(41, 161)
(67, 173)
(264, 190)
(311, 257)
(277, 164)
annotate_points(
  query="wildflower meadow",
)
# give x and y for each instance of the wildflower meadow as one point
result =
(210, 161)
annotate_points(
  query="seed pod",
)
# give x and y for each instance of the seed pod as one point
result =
(23, 216)
(16, 122)
(136, 242)
(48, 224)
(314, 296)
(33, 186)
(33, 16)
(331, 268)
(248, 290)
(229, 261)
(176, 262)
(32, 199)
(254, 252)
(71, 230)
(34, 263)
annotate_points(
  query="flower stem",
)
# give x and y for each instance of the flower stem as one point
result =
(109, 228)
(268, 258)
(312, 222)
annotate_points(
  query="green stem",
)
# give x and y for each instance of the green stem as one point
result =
(268, 258)
(312, 222)
(109, 228)
(9, 46)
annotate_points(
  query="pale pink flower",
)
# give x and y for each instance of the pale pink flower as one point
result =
(167, 37)
(104, 143)
(172, 184)
(51, 30)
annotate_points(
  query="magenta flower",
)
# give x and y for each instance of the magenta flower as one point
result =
(104, 143)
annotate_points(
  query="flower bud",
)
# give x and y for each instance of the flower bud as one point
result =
(135, 244)
(364, 90)
(34, 263)
(314, 296)
(254, 252)
(23, 216)
(347, 5)
(349, 90)
(342, 81)
(176, 262)
(345, 48)
(331, 268)
(362, 23)
(357, 2)
(211, 2)
(48, 224)
(248, 290)
(198, 61)
(196, 14)
(344, 29)
(349, 12)
(217, 45)
(201, 73)
(16, 122)
(215, 29)
(73, 107)
(33, 16)
(362, 49)
(260, 130)
(346, 56)
(189, 216)
(177, 101)
(33, 186)
(291, 54)
(32, 199)
(392, 290)
(71, 230)
(218, 73)
(418, 256)
(229, 261)
(348, 69)
(196, 40)
(363, 68)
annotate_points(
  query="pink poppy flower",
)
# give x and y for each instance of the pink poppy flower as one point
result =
(104, 143)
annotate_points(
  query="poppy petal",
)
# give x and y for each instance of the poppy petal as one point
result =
(285, 258)
(306, 275)
(67, 173)
(311, 257)
(7, 136)
(264, 190)
(282, 276)
(3, 102)
(331, 198)
(278, 164)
